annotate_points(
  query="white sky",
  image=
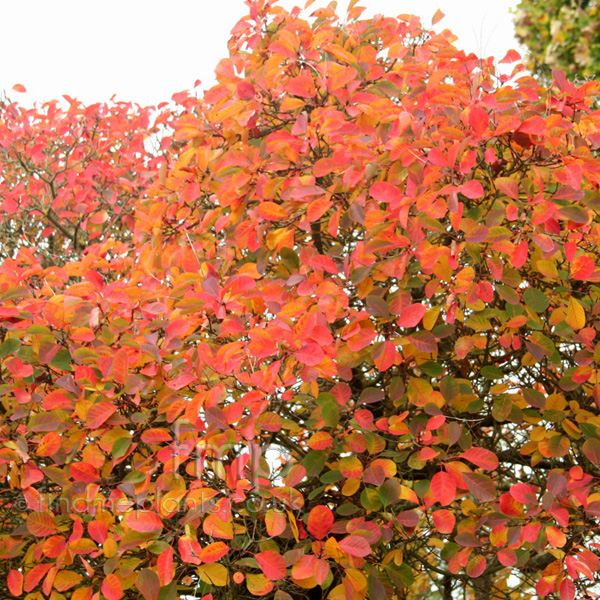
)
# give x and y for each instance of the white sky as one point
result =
(146, 50)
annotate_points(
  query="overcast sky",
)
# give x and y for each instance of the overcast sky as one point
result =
(146, 50)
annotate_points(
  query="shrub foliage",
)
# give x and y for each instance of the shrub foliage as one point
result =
(337, 337)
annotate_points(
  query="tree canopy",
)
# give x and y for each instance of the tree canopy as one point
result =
(560, 34)
(335, 336)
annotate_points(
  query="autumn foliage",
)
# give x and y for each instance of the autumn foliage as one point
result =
(330, 331)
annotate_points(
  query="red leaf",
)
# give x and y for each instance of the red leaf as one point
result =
(511, 57)
(591, 450)
(507, 557)
(411, 315)
(582, 267)
(144, 521)
(19, 87)
(164, 565)
(385, 192)
(443, 488)
(424, 341)
(34, 576)
(355, 545)
(567, 589)
(476, 566)
(98, 414)
(272, 564)
(310, 354)
(478, 119)
(14, 580)
(245, 90)
(408, 518)
(534, 125)
(302, 85)
(482, 458)
(120, 366)
(85, 472)
(320, 521)
(444, 520)
(112, 588)
(481, 486)
(472, 189)
(276, 522)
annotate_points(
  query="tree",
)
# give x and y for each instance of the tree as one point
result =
(560, 34)
(344, 345)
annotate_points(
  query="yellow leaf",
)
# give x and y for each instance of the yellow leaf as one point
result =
(357, 579)
(350, 487)
(214, 573)
(575, 316)
(430, 317)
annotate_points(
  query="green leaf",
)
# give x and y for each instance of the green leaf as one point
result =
(347, 509)
(370, 499)
(289, 258)
(401, 575)
(314, 462)
(508, 294)
(331, 477)
(9, 346)
(432, 369)
(389, 492)
(490, 372)
(120, 447)
(168, 592)
(62, 360)
(574, 213)
(536, 300)
(501, 408)
(450, 388)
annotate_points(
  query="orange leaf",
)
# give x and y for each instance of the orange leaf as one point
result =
(302, 85)
(444, 521)
(144, 521)
(49, 445)
(555, 536)
(112, 588)
(271, 211)
(41, 524)
(320, 521)
(18, 87)
(213, 552)
(14, 580)
(275, 522)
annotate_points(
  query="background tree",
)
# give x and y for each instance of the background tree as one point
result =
(345, 346)
(560, 34)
